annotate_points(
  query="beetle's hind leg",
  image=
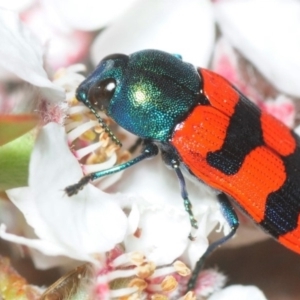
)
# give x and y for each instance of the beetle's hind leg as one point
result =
(233, 221)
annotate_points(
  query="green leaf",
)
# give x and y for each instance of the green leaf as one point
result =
(13, 126)
(14, 161)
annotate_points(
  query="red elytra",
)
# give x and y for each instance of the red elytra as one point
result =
(262, 171)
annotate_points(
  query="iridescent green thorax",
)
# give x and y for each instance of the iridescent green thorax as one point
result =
(154, 91)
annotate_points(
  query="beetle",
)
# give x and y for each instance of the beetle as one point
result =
(202, 124)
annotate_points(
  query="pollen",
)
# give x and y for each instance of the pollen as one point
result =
(159, 297)
(137, 258)
(89, 135)
(98, 129)
(146, 270)
(181, 268)
(189, 296)
(138, 283)
(76, 117)
(132, 258)
(169, 284)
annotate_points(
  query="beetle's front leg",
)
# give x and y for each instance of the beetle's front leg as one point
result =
(149, 150)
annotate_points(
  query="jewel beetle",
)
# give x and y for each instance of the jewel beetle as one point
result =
(201, 124)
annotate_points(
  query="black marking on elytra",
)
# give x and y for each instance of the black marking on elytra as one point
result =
(202, 99)
(283, 206)
(244, 134)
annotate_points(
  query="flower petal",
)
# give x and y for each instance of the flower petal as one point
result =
(158, 240)
(155, 191)
(43, 262)
(239, 292)
(87, 223)
(17, 5)
(41, 245)
(23, 55)
(97, 13)
(180, 27)
(266, 37)
(64, 46)
(154, 182)
(23, 200)
(196, 250)
(91, 213)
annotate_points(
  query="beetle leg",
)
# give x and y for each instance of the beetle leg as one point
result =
(233, 221)
(184, 195)
(134, 146)
(149, 150)
(173, 162)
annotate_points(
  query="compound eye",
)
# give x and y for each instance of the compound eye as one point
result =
(101, 93)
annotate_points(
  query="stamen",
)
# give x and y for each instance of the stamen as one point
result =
(72, 101)
(98, 129)
(122, 292)
(87, 169)
(189, 296)
(135, 258)
(78, 109)
(125, 156)
(178, 267)
(70, 125)
(159, 297)
(111, 149)
(89, 135)
(116, 274)
(181, 268)
(104, 138)
(146, 270)
(86, 150)
(139, 283)
(77, 132)
(167, 285)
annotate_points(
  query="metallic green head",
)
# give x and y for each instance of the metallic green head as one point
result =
(148, 92)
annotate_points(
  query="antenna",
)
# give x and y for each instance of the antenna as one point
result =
(104, 126)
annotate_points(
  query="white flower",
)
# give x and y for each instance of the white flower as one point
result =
(239, 292)
(180, 27)
(79, 227)
(16, 5)
(22, 55)
(161, 219)
(86, 15)
(265, 32)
